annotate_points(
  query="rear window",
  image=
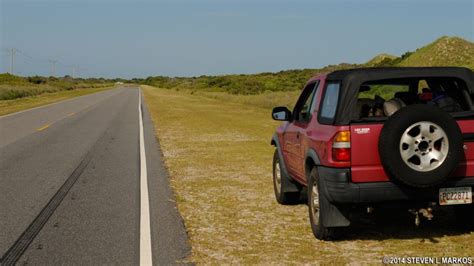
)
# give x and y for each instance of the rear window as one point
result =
(329, 105)
(380, 99)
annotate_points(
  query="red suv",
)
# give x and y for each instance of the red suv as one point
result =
(373, 137)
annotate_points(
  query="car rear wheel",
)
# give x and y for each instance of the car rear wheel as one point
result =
(320, 231)
(420, 145)
(282, 197)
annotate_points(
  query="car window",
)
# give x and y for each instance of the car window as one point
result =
(303, 108)
(385, 91)
(329, 105)
(315, 97)
(381, 98)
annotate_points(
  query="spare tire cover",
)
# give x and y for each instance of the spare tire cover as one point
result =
(420, 145)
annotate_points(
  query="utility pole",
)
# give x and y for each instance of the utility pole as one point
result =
(74, 69)
(12, 55)
(53, 67)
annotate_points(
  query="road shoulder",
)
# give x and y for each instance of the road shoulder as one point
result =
(169, 238)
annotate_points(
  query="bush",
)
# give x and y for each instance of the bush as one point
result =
(37, 80)
(13, 87)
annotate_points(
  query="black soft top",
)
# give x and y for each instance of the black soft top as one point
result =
(352, 79)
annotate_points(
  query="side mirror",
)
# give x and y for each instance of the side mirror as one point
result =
(281, 113)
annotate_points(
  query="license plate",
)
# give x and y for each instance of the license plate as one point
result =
(454, 196)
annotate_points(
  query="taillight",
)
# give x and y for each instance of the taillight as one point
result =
(341, 147)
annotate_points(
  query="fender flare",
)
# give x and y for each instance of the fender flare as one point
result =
(311, 155)
(289, 185)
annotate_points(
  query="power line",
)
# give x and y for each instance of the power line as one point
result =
(24, 54)
(12, 52)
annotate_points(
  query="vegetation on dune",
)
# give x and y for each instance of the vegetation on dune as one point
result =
(21, 93)
(6, 78)
(288, 80)
(380, 60)
(19, 104)
(446, 51)
(14, 87)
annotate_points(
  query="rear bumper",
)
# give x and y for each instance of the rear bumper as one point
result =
(336, 184)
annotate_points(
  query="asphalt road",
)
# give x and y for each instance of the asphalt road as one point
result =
(72, 187)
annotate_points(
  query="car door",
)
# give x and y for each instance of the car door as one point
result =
(296, 130)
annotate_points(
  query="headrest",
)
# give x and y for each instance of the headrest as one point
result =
(392, 106)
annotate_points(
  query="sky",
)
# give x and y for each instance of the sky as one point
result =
(120, 38)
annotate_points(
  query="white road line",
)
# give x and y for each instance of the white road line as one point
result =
(145, 232)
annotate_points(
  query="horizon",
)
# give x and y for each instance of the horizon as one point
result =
(126, 40)
(256, 73)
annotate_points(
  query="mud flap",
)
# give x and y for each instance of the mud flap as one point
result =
(332, 215)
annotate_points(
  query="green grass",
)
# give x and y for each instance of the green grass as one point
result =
(217, 149)
(266, 100)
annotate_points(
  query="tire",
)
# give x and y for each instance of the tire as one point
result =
(420, 146)
(284, 198)
(315, 204)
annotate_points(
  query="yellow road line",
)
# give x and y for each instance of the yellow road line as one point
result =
(43, 127)
(48, 125)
